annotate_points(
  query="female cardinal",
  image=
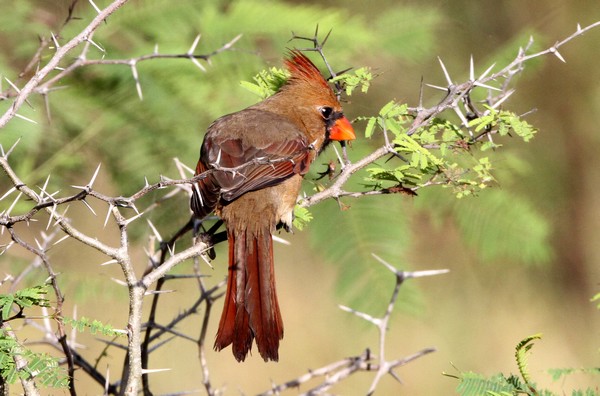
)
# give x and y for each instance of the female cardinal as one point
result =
(256, 159)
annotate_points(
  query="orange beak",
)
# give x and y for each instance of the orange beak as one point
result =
(342, 130)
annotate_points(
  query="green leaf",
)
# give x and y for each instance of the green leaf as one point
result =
(24, 298)
(301, 217)
(370, 128)
(521, 356)
(94, 326)
(266, 82)
(472, 384)
(361, 77)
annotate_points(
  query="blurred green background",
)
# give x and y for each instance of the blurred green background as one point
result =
(523, 256)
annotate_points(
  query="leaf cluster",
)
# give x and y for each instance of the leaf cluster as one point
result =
(24, 298)
(440, 152)
(474, 384)
(43, 368)
(94, 326)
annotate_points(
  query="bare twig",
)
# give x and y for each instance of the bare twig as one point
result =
(337, 371)
(55, 60)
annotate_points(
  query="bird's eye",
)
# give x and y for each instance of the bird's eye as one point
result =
(326, 112)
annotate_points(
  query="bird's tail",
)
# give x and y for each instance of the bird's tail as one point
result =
(251, 310)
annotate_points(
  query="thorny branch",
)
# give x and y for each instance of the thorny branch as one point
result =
(457, 95)
(53, 63)
(335, 372)
(138, 348)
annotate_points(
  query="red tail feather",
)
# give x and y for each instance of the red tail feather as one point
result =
(251, 309)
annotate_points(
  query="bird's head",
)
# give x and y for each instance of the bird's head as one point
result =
(312, 97)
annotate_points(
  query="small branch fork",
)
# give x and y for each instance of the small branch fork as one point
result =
(335, 372)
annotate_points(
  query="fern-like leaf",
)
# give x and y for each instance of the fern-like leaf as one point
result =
(521, 351)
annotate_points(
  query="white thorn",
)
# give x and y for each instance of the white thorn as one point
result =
(89, 207)
(478, 84)
(420, 274)
(554, 50)
(462, 117)
(110, 206)
(109, 262)
(96, 45)
(506, 96)
(61, 217)
(218, 157)
(56, 44)
(51, 215)
(151, 371)
(12, 85)
(153, 292)
(171, 250)
(43, 189)
(195, 62)
(135, 209)
(361, 315)
(6, 247)
(95, 6)
(10, 150)
(339, 157)
(136, 78)
(281, 240)
(154, 230)
(194, 44)
(8, 193)
(471, 70)
(448, 79)
(10, 208)
(232, 42)
(197, 189)
(445, 89)
(385, 263)
(25, 118)
(119, 282)
(132, 219)
(107, 380)
(60, 240)
(485, 73)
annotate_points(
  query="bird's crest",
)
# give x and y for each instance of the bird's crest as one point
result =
(301, 68)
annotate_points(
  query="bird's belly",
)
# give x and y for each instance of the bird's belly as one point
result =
(268, 206)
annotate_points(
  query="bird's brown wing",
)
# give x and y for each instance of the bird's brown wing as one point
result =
(247, 151)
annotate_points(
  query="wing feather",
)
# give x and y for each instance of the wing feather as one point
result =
(247, 151)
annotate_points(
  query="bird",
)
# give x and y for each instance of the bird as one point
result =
(253, 162)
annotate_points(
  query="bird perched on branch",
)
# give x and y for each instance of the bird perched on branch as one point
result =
(257, 158)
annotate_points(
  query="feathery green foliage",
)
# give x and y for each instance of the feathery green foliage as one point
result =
(24, 298)
(521, 351)
(94, 326)
(474, 384)
(266, 82)
(40, 366)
